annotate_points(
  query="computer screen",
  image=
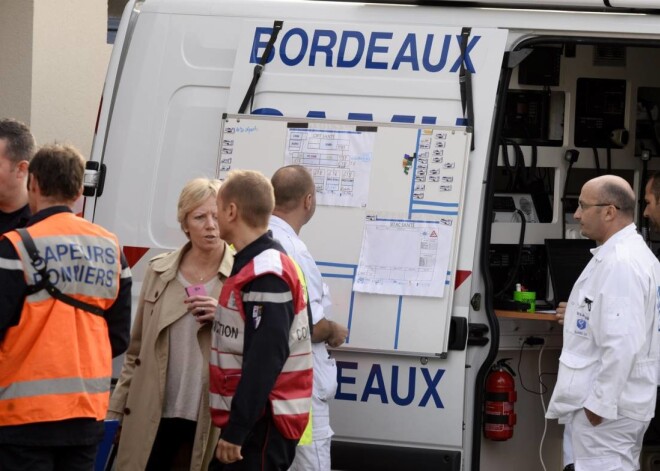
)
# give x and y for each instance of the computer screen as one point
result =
(566, 260)
(531, 268)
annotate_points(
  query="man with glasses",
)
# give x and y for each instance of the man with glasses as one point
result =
(606, 384)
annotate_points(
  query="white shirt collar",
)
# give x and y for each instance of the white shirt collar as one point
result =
(283, 225)
(627, 231)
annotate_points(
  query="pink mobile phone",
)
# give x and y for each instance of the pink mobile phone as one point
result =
(196, 290)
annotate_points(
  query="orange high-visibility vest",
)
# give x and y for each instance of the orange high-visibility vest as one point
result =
(56, 363)
(290, 398)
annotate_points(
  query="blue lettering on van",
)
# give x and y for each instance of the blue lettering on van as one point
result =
(376, 49)
(296, 48)
(322, 46)
(442, 60)
(407, 53)
(304, 40)
(396, 118)
(402, 393)
(375, 385)
(341, 380)
(342, 60)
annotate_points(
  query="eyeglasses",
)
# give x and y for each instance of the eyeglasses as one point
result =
(585, 206)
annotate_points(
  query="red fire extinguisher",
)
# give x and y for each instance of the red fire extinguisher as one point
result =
(500, 396)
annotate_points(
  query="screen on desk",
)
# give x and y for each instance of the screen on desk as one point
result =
(566, 260)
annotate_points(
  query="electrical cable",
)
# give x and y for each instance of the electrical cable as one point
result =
(519, 174)
(507, 164)
(571, 156)
(545, 420)
(521, 241)
(609, 159)
(521, 171)
(563, 201)
(596, 161)
(548, 180)
(543, 389)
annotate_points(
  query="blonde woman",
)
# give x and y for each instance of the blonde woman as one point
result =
(162, 394)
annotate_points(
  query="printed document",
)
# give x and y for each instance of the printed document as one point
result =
(339, 161)
(404, 257)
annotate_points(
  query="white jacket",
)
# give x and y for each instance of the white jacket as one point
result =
(610, 358)
(325, 368)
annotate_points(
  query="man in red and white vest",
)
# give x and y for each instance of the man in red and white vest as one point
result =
(261, 361)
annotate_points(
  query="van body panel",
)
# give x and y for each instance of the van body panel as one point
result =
(185, 63)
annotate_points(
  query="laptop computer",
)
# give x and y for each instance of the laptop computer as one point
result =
(566, 260)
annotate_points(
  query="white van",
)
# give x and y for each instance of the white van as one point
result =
(572, 88)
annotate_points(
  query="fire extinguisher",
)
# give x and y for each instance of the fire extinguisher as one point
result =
(500, 396)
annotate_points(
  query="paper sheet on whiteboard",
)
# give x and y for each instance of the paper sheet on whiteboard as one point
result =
(339, 161)
(404, 257)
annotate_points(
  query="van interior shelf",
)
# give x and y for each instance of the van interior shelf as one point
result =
(532, 316)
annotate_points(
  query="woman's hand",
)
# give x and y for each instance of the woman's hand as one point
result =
(202, 307)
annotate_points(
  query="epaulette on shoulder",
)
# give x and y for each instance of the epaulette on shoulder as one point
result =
(159, 256)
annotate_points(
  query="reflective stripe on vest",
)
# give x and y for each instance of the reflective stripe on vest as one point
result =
(55, 386)
(42, 380)
(290, 397)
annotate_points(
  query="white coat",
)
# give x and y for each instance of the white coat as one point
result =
(610, 358)
(325, 368)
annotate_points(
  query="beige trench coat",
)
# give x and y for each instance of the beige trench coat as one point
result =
(138, 397)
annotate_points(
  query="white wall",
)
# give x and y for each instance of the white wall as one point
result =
(16, 58)
(54, 58)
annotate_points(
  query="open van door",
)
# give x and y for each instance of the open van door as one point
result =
(182, 64)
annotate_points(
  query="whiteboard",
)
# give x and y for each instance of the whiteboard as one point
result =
(407, 176)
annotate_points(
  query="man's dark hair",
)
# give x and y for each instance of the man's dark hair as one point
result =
(620, 197)
(59, 170)
(291, 183)
(654, 179)
(19, 142)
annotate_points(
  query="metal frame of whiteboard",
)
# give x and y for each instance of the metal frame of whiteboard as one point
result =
(337, 270)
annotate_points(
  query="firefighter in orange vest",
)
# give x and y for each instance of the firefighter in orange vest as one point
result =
(261, 360)
(64, 313)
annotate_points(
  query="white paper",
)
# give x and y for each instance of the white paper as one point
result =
(404, 257)
(339, 161)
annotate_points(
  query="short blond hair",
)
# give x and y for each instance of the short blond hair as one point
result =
(194, 193)
(253, 195)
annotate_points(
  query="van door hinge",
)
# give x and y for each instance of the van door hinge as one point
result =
(476, 335)
(458, 333)
(94, 179)
(475, 302)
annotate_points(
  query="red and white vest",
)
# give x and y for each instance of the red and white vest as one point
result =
(290, 398)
